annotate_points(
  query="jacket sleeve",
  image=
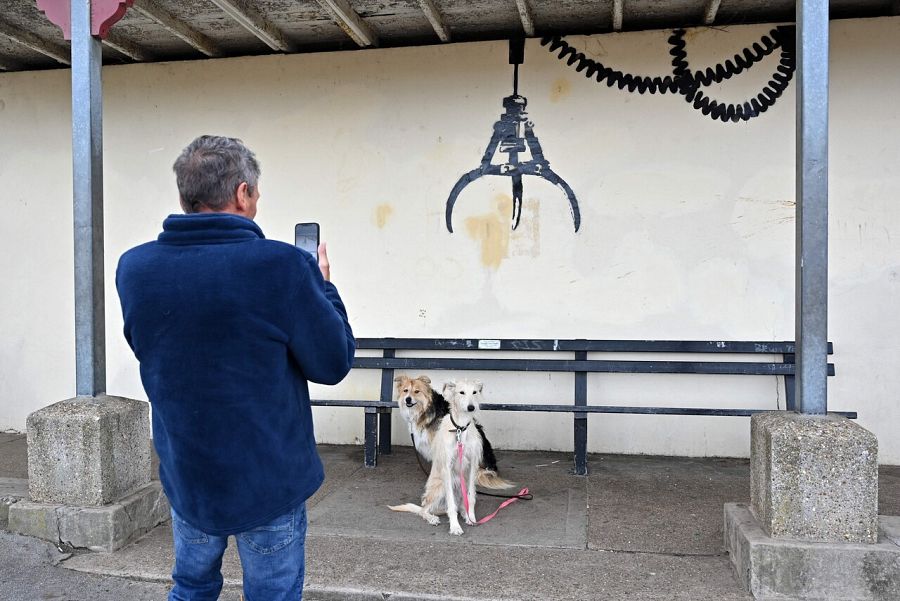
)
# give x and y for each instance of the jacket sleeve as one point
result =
(319, 334)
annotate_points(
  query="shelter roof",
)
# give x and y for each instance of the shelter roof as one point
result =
(165, 30)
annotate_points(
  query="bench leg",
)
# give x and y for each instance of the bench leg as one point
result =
(580, 434)
(384, 431)
(371, 427)
(789, 390)
(581, 446)
(790, 401)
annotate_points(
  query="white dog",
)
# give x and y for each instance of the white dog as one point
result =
(456, 452)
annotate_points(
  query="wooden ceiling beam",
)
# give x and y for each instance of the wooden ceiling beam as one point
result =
(58, 53)
(198, 41)
(618, 14)
(434, 17)
(127, 47)
(526, 17)
(710, 12)
(250, 19)
(349, 20)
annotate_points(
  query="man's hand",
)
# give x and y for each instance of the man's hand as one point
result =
(324, 265)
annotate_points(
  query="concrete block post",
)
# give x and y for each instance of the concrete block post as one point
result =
(88, 451)
(812, 530)
(89, 474)
(814, 478)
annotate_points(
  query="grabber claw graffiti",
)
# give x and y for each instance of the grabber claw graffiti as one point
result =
(514, 135)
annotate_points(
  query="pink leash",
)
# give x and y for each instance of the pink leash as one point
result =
(465, 492)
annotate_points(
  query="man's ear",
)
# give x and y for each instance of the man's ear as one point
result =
(242, 197)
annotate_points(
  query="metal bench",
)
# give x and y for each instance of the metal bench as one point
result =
(574, 360)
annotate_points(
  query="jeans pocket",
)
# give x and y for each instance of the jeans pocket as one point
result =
(274, 536)
(186, 532)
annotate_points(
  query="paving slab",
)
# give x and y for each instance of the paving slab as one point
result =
(13, 455)
(889, 490)
(556, 517)
(363, 568)
(496, 572)
(662, 504)
(341, 463)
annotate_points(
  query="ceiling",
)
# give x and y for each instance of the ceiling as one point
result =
(166, 30)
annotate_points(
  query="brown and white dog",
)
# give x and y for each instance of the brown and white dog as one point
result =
(423, 409)
(443, 491)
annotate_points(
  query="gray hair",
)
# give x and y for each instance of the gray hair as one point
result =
(209, 171)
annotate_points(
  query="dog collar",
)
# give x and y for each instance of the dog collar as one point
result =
(459, 429)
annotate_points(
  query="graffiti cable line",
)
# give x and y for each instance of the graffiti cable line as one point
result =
(688, 83)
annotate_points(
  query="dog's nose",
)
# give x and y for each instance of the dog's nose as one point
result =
(471, 407)
(409, 401)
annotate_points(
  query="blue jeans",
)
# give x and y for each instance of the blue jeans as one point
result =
(272, 558)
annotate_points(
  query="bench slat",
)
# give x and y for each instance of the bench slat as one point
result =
(577, 408)
(349, 403)
(636, 410)
(570, 365)
(610, 346)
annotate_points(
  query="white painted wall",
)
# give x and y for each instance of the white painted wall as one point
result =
(687, 224)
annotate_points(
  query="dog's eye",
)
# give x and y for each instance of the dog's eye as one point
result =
(462, 392)
(474, 392)
(415, 391)
(406, 390)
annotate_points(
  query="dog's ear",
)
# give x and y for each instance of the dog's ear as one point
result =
(425, 379)
(400, 379)
(478, 385)
(449, 388)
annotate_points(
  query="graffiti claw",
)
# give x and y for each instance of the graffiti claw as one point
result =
(516, 200)
(463, 181)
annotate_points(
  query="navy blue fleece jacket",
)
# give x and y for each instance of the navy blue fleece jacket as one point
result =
(228, 327)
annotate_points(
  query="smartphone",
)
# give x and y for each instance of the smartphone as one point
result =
(306, 236)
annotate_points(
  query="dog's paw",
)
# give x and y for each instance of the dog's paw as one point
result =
(456, 530)
(470, 520)
(432, 519)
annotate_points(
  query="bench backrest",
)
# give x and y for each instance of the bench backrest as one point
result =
(429, 354)
(580, 348)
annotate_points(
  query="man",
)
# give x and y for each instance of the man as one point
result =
(228, 327)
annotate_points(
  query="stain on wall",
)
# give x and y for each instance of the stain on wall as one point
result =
(383, 212)
(492, 231)
(561, 88)
(526, 242)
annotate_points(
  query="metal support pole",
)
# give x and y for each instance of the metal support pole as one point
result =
(811, 305)
(87, 172)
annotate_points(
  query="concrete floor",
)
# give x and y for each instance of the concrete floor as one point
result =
(637, 528)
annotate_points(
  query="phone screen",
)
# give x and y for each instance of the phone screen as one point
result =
(306, 236)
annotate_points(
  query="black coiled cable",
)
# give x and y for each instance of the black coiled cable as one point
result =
(687, 83)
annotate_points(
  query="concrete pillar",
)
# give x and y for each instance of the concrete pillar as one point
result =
(814, 478)
(89, 474)
(812, 530)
